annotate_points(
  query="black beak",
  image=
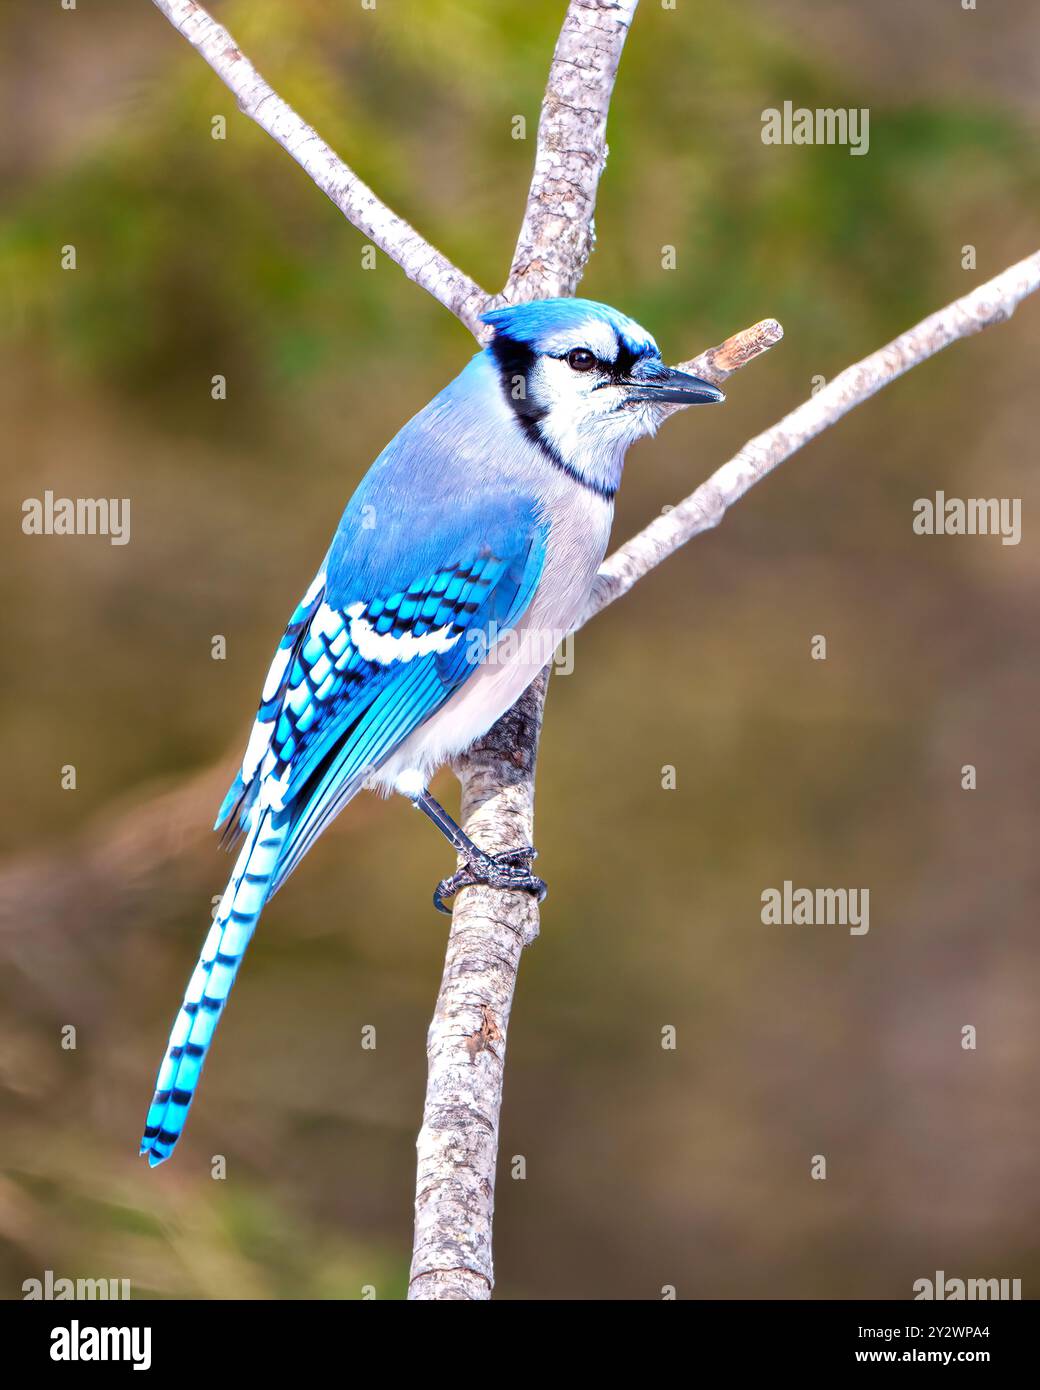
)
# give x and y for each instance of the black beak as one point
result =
(651, 380)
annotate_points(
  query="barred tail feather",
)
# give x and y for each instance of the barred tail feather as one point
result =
(210, 985)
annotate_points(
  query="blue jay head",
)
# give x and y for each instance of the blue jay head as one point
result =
(584, 377)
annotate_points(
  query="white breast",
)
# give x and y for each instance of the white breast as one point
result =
(577, 541)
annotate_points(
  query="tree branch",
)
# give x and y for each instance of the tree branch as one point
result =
(557, 234)
(456, 1176)
(989, 304)
(458, 1142)
(355, 200)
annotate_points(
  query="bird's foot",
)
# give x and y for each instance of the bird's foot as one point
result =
(509, 869)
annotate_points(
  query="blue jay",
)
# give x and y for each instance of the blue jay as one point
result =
(466, 554)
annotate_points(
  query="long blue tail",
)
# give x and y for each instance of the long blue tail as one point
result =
(210, 985)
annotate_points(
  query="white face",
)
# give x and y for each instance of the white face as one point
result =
(585, 411)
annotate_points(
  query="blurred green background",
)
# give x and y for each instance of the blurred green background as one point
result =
(644, 1167)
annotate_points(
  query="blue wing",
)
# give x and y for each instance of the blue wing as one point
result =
(392, 627)
(433, 560)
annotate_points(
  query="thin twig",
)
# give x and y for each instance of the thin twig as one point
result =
(498, 802)
(355, 200)
(991, 303)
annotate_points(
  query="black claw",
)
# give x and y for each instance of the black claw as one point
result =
(511, 869)
(447, 888)
(524, 855)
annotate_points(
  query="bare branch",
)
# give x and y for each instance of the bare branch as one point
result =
(719, 363)
(557, 234)
(458, 1143)
(498, 792)
(355, 200)
(991, 303)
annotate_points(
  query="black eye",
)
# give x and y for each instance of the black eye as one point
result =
(581, 359)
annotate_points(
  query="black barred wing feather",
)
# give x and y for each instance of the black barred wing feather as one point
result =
(348, 685)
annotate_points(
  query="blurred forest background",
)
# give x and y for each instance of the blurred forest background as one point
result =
(645, 1167)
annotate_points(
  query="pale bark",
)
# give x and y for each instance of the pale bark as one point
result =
(459, 1135)
(355, 200)
(991, 303)
(499, 774)
(557, 234)
(458, 1142)
(455, 1208)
